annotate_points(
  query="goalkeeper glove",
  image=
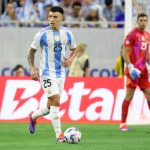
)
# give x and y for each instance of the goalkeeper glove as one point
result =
(134, 73)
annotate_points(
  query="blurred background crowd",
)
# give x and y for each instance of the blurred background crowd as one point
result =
(34, 13)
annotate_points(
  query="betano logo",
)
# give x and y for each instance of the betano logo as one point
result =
(89, 100)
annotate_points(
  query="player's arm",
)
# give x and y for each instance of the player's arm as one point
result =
(148, 54)
(73, 48)
(33, 70)
(68, 61)
(148, 60)
(125, 55)
(134, 73)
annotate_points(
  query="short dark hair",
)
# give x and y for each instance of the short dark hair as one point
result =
(76, 3)
(142, 15)
(108, 2)
(57, 9)
(18, 67)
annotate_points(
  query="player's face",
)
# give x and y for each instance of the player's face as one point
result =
(142, 22)
(55, 20)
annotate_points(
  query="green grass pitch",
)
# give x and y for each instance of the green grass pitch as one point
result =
(15, 136)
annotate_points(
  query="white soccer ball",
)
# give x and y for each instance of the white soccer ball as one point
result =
(72, 135)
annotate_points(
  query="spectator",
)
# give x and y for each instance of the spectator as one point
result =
(42, 6)
(52, 2)
(93, 16)
(80, 65)
(87, 6)
(19, 71)
(110, 11)
(121, 16)
(67, 6)
(47, 8)
(9, 15)
(76, 7)
(26, 11)
(40, 9)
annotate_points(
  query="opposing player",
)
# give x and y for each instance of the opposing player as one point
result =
(136, 54)
(52, 41)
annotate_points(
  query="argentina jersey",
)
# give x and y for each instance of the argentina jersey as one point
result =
(53, 46)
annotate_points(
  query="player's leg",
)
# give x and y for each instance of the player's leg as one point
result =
(40, 112)
(125, 107)
(145, 87)
(36, 114)
(147, 95)
(54, 102)
(130, 89)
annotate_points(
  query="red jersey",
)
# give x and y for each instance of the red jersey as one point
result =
(138, 42)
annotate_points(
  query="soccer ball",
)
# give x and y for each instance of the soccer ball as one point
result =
(72, 135)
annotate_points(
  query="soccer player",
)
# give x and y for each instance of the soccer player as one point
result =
(52, 41)
(136, 54)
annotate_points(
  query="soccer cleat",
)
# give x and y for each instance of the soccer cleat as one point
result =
(32, 124)
(124, 128)
(61, 138)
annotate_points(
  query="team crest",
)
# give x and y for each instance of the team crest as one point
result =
(143, 38)
(57, 38)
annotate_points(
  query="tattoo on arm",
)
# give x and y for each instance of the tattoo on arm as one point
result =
(31, 57)
(73, 53)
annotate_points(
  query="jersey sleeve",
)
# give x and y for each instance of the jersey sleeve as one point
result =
(71, 40)
(129, 40)
(36, 42)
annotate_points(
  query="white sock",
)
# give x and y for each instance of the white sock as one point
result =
(40, 112)
(55, 118)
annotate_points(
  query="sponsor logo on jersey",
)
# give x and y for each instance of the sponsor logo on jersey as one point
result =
(143, 38)
(57, 38)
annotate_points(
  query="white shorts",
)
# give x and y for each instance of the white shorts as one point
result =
(52, 86)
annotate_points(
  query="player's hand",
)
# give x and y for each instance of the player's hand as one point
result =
(134, 73)
(34, 74)
(148, 68)
(67, 62)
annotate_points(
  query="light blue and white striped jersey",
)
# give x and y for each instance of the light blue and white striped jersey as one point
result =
(53, 46)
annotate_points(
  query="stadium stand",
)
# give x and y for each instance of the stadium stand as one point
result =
(78, 13)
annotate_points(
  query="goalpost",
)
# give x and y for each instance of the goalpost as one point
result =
(132, 9)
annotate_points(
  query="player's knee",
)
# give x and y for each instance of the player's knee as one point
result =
(148, 96)
(129, 97)
(54, 101)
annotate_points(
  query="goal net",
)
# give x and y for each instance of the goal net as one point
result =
(133, 8)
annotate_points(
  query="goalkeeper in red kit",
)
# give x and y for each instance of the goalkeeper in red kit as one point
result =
(136, 56)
